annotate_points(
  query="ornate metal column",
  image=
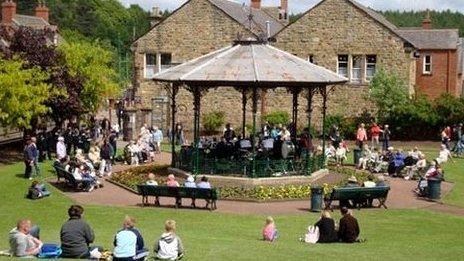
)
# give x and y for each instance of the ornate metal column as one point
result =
(244, 103)
(295, 92)
(172, 91)
(196, 129)
(324, 93)
(310, 96)
(253, 133)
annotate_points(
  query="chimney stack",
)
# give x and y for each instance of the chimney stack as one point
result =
(42, 11)
(256, 4)
(427, 22)
(156, 15)
(283, 14)
(8, 12)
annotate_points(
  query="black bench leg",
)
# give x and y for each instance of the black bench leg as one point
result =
(214, 204)
(382, 203)
(193, 203)
(157, 203)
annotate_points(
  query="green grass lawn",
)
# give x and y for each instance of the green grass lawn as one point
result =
(390, 234)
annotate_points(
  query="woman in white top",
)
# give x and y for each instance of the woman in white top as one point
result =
(443, 155)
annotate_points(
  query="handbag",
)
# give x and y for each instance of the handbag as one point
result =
(312, 236)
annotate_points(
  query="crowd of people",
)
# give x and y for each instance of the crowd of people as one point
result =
(145, 147)
(324, 230)
(76, 237)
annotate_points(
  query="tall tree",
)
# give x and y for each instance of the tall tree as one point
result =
(23, 93)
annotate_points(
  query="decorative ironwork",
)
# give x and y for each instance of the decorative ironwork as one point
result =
(172, 90)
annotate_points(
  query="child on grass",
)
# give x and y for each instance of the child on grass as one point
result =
(169, 246)
(269, 230)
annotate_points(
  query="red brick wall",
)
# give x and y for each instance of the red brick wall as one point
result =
(444, 77)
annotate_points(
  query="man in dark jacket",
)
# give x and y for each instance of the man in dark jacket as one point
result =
(76, 235)
(348, 231)
(29, 158)
(106, 155)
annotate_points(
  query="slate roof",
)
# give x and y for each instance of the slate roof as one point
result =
(240, 13)
(433, 39)
(30, 21)
(250, 64)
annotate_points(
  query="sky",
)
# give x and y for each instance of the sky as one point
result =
(297, 6)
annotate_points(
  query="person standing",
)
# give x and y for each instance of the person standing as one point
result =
(76, 235)
(61, 151)
(28, 159)
(386, 134)
(106, 152)
(348, 231)
(157, 137)
(113, 139)
(361, 136)
(35, 156)
(375, 135)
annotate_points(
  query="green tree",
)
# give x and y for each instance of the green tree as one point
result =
(388, 93)
(23, 93)
(94, 63)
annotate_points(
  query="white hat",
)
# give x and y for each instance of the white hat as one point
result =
(190, 179)
(60, 138)
(353, 179)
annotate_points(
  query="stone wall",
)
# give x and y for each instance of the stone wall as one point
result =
(337, 27)
(333, 27)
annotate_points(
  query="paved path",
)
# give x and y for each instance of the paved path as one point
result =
(401, 196)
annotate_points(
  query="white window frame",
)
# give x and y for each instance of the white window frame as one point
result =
(424, 64)
(347, 65)
(145, 66)
(368, 79)
(360, 69)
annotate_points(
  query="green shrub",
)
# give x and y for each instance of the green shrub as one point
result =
(278, 117)
(213, 121)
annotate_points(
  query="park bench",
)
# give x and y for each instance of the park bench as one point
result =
(359, 196)
(210, 195)
(61, 173)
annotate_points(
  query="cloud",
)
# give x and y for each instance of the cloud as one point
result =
(297, 6)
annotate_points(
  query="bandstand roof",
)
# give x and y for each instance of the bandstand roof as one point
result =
(249, 64)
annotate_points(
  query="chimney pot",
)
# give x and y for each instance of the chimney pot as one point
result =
(283, 14)
(42, 11)
(256, 4)
(8, 12)
(427, 22)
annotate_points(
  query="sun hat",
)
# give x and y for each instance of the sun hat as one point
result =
(190, 179)
(352, 179)
(171, 177)
(60, 138)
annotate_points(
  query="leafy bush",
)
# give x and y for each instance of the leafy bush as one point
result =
(266, 192)
(213, 121)
(278, 117)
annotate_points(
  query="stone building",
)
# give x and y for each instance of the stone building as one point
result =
(196, 28)
(341, 35)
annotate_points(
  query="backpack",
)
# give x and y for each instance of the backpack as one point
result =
(50, 251)
(313, 235)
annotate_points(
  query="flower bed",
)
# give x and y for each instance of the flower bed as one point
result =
(138, 175)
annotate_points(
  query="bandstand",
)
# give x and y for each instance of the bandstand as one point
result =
(249, 67)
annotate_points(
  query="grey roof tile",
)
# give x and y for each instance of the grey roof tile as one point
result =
(437, 39)
(247, 64)
(30, 21)
(240, 13)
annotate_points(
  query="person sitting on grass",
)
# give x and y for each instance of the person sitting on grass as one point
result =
(128, 242)
(23, 243)
(172, 182)
(326, 225)
(37, 190)
(151, 180)
(76, 235)
(366, 156)
(398, 163)
(204, 183)
(444, 155)
(169, 246)
(348, 231)
(269, 230)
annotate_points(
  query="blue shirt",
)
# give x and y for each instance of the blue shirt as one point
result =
(157, 136)
(125, 243)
